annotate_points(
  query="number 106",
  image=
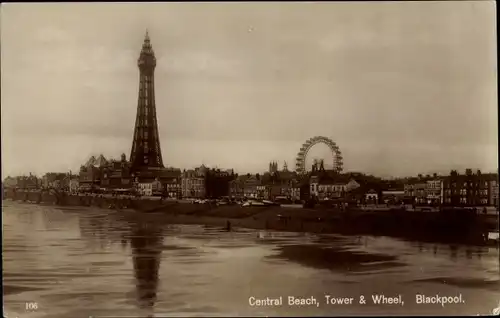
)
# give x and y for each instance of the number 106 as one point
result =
(31, 306)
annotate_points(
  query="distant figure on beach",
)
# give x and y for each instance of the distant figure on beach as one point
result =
(228, 226)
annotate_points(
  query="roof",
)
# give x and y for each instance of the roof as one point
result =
(482, 177)
(170, 173)
(53, 176)
(285, 174)
(90, 162)
(99, 162)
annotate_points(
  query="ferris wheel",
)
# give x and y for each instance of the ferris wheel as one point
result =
(300, 161)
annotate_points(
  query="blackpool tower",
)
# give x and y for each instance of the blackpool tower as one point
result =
(146, 152)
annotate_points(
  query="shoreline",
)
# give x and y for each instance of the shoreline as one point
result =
(269, 222)
(461, 228)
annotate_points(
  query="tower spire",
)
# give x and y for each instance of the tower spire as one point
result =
(147, 49)
(146, 151)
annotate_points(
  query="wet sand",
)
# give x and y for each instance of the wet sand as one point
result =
(308, 220)
(421, 226)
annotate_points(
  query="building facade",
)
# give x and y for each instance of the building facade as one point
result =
(424, 190)
(493, 197)
(193, 183)
(434, 192)
(295, 192)
(9, 182)
(371, 197)
(331, 186)
(74, 184)
(91, 172)
(393, 196)
(145, 188)
(237, 187)
(30, 182)
(172, 188)
(53, 180)
(217, 182)
(469, 189)
(251, 187)
(116, 174)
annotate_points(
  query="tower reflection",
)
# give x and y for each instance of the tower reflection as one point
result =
(146, 241)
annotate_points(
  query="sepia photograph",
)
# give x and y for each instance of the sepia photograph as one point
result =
(265, 159)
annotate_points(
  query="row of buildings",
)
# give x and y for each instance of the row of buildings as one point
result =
(470, 188)
(49, 180)
(98, 173)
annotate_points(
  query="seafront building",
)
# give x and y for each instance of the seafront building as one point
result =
(466, 189)
(91, 172)
(24, 182)
(475, 189)
(193, 182)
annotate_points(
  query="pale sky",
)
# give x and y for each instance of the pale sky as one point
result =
(402, 87)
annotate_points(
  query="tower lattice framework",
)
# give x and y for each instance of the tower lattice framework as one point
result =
(146, 151)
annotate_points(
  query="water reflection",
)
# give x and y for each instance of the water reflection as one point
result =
(337, 258)
(102, 263)
(146, 241)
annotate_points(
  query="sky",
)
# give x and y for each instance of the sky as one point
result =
(402, 87)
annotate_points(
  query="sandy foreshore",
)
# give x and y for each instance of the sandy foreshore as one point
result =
(414, 226)
(461, 227)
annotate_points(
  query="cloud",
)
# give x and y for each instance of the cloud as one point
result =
(52, 36)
